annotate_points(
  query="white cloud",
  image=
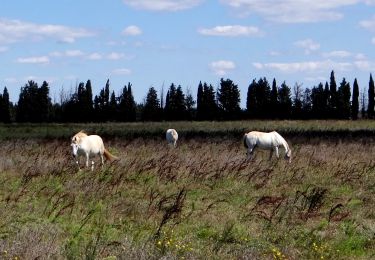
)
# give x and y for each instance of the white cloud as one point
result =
(222, 67)
(163, 5)
(15, 31)
(231, 31)
(74, 53)
(122, 71)
(3, 48)
(293, 11)
(94, 56)
(308, 45)
(132, 30)
(338, 54)
(34, 60)
(115, 56)
(368, 24)
(306, 66)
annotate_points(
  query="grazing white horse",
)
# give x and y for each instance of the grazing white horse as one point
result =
(90, 145)
(172, 136)
(267, 141)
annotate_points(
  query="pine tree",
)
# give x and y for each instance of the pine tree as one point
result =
(127, 104)
(317, 102)
(307, 104)
(297, 101)
(285, 101)
(355, 100)
(371, 96)
(251, 101)
(4, 107)
(34, 103)
(151, 110)
(343, 99)
(228, 96)
(189, 103)
(209, 101)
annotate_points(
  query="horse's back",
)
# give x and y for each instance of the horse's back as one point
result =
(93, 144)
(171, 135)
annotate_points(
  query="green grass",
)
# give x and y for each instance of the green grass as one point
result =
(311, 128)
(201, 200)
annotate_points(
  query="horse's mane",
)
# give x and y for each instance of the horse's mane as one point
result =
(78, 136)
(81, 134)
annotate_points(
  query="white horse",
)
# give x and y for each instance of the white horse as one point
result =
(267, 141)
(90, 145)
(172, 137)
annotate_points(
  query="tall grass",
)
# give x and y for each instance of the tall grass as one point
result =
(200, 200)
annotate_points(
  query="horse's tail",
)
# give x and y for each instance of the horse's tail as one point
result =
(109, 156)
(244, 141)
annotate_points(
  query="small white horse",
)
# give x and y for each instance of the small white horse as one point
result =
(267, 141)
(90, 145)
(172, 136)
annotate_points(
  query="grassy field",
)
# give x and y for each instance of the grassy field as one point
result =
(200, 200)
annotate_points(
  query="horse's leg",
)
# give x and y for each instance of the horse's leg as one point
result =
(87, 160)
(271, 153)
(277, 152)
(77, 162)
(92, 165)
(102, 159)
(250, 153)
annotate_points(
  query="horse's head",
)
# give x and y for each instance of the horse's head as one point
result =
(288, 156)
(75, 149)
(76, 139)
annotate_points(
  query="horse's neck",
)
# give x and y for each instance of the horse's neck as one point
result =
(281, 141)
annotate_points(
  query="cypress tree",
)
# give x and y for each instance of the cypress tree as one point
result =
(355, 100)
(371, 95)
(200, 104)
(333, 96)
(343, 102)
(274, 101)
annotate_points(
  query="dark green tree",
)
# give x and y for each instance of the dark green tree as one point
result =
(285, 101)
(151, 110)
(228, 97)
(200, 104)
(371, 96)
(127, 104)
(343, 100)
(355, 100)
(189, 103)
(5, 107)
(317, 102)
(251, 100)
(101, 104)
(307, 104)
(332, 101)
(175, 105)
(209, 102)
(274, 101)
(297, 112)
(34, 104)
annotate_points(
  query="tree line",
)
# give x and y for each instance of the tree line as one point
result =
(264, 100)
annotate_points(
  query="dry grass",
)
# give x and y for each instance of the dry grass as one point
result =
(200, 200)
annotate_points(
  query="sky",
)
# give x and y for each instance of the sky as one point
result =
(154, 43)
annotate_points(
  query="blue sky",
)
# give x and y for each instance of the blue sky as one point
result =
(155, 42)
